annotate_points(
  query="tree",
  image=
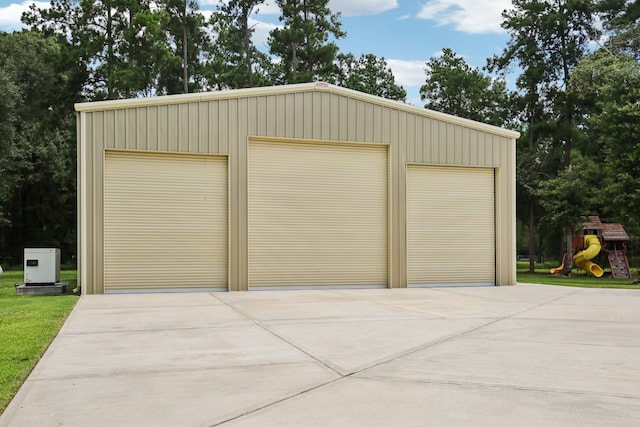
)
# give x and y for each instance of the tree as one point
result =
(369, 74)
(454, 87)
(141, 50)
(89, 26)
(608, 87)
(9, 96)
(116, 42)
(234, 60)
(571, 193)
(302, 44)
(181, 67)
(130, 48)
(548, 39)
(39, 84)
(622, 19)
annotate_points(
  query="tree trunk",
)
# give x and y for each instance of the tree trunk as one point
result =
(569, 260)
(532, 237)
(247, 47)
(185, 67)
(568, 143)
(110, 55)
(294, 64)
(532, 216)
(130, 53)
(568, 131)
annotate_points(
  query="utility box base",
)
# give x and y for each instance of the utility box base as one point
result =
(54, 289)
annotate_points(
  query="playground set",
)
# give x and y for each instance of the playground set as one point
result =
(594, 238)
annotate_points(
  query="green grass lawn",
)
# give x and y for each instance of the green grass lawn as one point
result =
(28, 324)
(578, 278)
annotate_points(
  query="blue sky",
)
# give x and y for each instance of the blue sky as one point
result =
(405, 32)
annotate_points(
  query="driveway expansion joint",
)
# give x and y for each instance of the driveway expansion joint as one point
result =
(496, 386)
(272, 333)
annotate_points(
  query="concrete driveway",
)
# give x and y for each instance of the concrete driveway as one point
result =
(505, 356)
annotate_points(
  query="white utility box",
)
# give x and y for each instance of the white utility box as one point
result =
(41, 265)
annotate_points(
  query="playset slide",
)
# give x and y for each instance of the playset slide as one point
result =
(583, 258)
(558, 270)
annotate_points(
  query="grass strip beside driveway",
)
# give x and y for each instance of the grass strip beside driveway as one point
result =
(581, 281)
(28, 324)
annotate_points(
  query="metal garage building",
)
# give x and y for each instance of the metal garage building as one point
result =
(300, 186)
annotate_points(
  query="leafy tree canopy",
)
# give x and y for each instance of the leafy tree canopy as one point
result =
(302, 46)
(234, 61)
(609, 89)
(454, 87)
(38, 84)
(369, 74)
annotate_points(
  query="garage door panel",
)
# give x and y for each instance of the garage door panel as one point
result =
(317, 215)
(450, 225)
(165, 221)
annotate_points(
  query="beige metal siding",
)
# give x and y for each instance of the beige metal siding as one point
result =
(222, 123)
(317, 214)
(165, 221)
(450, 225)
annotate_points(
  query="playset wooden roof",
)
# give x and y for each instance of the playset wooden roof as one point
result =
(609, 231)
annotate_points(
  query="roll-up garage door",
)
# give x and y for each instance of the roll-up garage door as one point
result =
(450, 226)
(165, 222)
(317, 215)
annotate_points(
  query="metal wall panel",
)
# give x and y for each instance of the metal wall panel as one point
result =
(317, 215)
(223, 122)
(165, 221)
(450, 226)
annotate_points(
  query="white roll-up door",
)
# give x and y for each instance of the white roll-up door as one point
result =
(317, 215)
(450, 226)
(165, 222)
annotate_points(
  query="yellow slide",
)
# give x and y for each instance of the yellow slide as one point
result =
(559, 269)
(582, 258)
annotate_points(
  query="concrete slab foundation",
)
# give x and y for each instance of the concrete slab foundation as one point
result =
(52, 289)
(527, 355)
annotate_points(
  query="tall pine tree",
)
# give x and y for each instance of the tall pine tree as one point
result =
(547, 39)
(118, 43)
(304, 44)
(369, 74)
(181, 67)
(234, 60)
(454, 87)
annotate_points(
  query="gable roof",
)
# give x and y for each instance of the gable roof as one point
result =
(286, 89)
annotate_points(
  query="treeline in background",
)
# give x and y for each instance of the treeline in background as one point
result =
(574, 96)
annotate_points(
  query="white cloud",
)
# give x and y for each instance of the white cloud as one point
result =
(261, 28)
(261, 33)
(362, 7)
(10, 15)
(469, 16)
(269, 7)
(346, 7)
(407, 73)
(206, 13)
